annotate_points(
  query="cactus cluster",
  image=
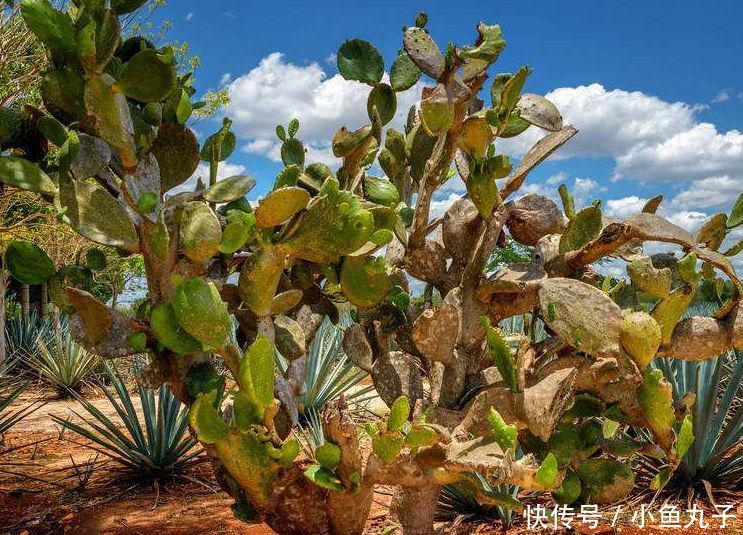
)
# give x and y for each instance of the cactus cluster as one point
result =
(463, 396)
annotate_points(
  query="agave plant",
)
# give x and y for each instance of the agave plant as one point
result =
(21, 335)
(716, 455)
(329, 372)
(466, 500)
(62, 363)
(11, 416)
(150, 446)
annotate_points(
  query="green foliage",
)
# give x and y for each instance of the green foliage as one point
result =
(151, 447)
(62, 363)
(10, 416)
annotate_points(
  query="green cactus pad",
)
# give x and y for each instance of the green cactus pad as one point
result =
(147, 77)
(380, 191)
(238, 231)
(505, 435)
(177, 151)
(170, 334)
(113, 122)
(399, 414)
(107, 34)
(96, 259)
(292, 152)
(206, 420)
(475, 137)
(383, 98)
(328, 455)
(62, 93)
(641, 337)
(364, 280)
(280, 205)
(404, 73)
(437, 111)
(96, 215)
(420, 436)
(79, 277)
(346, 143)
(489, 44)
(570, 490)
(256, 376)
(419, 146)
(423, 51)
(515, 126)
(687, 268)
(203, 378)
(200, 232)
(581, 229)
(288, 177)
(334, 224)
(735, 219)
(244, 456)
(229, 189)
(200, 310)
(247, 410)
(481, 184)
(178, 107)
(285, 301)
(656, 400)
(669, 311)
(286, 454)
(229, 142)
(28, 263)
(323, 478)
(22, 174)
(685, 437)
(259, 278)
(315, 174)
(547, 473)
(387, 446)
(52, 27)
(605, 480)
(502, 354)
(713, 229)
(359, 60)
(649, 279)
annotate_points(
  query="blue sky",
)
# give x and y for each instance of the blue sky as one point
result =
(656, 88)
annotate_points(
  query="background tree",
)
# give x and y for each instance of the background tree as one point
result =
(461, 398)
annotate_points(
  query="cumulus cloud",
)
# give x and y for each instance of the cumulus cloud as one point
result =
(624, 207)
(277, 91)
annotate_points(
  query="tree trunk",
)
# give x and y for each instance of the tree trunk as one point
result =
(415, 507)
(25, 301)
(44, 304)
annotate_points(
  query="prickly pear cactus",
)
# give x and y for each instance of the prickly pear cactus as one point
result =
(464, 397)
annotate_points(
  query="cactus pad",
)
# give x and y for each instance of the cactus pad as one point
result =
(364, 280)
(641, 337)
(177, 152)
(200, 232)
(359, 60)
(28, 263)
(201, 312)
(20, 173)
(280, 205)
(95, 214)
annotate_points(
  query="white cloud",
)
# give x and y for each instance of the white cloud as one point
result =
(225, 79)
(714, 192)
(699, 152)
(439, 207)
(689, 220)
(624, 207)
(556, 179)
(721, 96)
(277, 91)
(189, 17)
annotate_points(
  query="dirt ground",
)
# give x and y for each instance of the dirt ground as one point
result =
(43, 492)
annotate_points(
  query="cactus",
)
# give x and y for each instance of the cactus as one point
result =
(313, 245)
